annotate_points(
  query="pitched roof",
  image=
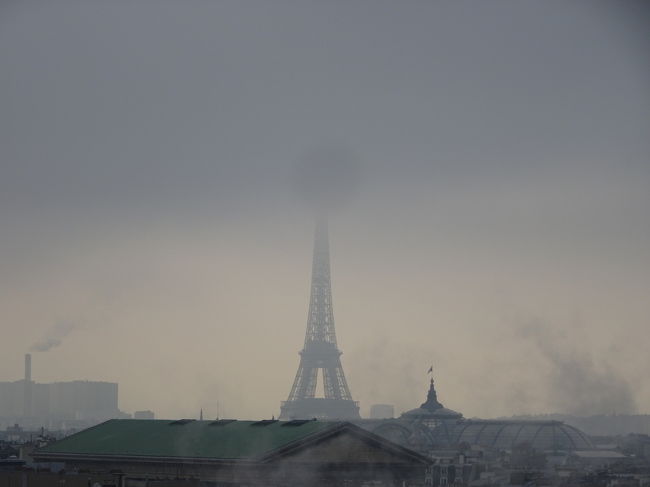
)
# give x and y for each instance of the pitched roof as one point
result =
(217, 441)
(186, 438)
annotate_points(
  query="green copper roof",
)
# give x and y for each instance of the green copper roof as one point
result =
(189, 439)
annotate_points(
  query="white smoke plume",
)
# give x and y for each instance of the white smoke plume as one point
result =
(54, 336)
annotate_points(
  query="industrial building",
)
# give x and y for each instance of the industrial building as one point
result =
(75, 403)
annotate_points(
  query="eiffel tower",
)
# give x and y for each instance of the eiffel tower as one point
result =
(320, 351)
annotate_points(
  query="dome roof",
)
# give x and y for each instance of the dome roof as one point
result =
(504, 434)
(424, 413)
(431, 408)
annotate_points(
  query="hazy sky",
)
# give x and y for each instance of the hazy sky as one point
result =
(498, 227)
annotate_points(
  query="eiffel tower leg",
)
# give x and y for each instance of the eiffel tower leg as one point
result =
(304, 385)
(341, 383)
(329, 384)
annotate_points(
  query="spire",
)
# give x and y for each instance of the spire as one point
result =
(320, 320)
(432, 399)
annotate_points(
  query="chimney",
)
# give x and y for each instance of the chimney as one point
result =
(28, 367)
(27, 384)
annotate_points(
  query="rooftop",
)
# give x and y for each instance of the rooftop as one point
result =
(225, 439)
(506, 434)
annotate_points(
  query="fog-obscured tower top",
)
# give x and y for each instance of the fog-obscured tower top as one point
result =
(327, 177)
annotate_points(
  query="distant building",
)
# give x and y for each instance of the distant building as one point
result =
(77, 403)
(144, 415)
(382, 411)
(83, 399)
(433, 427)
(597, 458)
(236, 453)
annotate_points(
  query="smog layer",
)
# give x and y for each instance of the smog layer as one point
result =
(484, 164)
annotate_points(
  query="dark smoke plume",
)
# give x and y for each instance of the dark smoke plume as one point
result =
(54, 336)
(576, 383)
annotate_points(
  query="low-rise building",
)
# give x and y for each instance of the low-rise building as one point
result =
(269, 452)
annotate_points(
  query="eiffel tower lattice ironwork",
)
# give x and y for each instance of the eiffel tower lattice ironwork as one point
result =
(320, 351)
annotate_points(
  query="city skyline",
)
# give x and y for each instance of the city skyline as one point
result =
(495, 222)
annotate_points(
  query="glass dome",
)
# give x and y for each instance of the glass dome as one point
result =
(503, 434)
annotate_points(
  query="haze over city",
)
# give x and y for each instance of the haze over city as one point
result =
(491, 217)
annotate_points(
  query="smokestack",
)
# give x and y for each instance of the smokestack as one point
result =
(28, 367)
(27, 384)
